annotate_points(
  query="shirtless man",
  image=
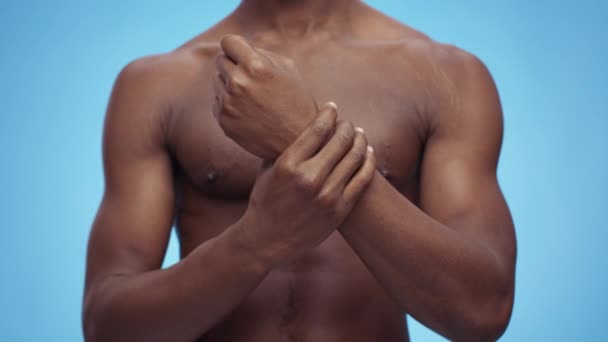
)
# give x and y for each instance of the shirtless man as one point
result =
(291, 228)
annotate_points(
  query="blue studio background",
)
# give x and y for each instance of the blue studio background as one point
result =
(58, 63)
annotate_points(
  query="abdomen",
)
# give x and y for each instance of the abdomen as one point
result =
(325, 295)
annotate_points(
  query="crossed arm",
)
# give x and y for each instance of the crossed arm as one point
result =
(127, 296)
(449, 263)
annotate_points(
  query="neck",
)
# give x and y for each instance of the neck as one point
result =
(296, 17)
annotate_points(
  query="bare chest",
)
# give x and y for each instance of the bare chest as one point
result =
(216, 168)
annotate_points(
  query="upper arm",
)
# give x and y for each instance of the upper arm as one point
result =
(132, 226)
(459, 187)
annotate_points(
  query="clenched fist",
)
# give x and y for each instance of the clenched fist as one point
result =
(308, 192)
(260, 100)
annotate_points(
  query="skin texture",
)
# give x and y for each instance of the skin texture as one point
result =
(320, 247)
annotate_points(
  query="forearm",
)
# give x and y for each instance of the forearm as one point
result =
(180, 303)
(449, 282)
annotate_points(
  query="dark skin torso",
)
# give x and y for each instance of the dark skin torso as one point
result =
(384, 76)
(328, 292)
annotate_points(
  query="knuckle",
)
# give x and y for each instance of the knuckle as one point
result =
(357, 155)
(343, 137)
(284, 167)
(229, 38)
(363, 179)
(256, 66)
(359, 150)
(237, 84)
(230, 110)
(345, 133)
(226, 104)
(238, 38)
(319, 128)
(231, 86)
(306, 182)
(327, 199)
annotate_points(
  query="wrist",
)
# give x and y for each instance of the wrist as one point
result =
(242, 242)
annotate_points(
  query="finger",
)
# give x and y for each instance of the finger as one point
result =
(348, 166)
(215, 109)
(268, 54)
(219, 86)
(338, 145)
(220, 92)
(309, 142)
(231, 75)
(225, 66)
(237, 48)
(356, 186)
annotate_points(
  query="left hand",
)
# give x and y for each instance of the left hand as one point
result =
(260, 99)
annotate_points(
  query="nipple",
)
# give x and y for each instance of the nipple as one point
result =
(212, 176)
(386, 173)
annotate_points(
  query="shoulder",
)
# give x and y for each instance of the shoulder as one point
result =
(406, 47)
(452, 63)
(464, 84)
(414, 43)
(155, 83)
(147, 91)
(465, 97)
(461, 68)
(161, 77)
(458, 88)
(454, 78)
(400, 41)
(448, 74)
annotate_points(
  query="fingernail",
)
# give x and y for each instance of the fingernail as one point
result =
(359, 129)
(370, 149)
(332, 104)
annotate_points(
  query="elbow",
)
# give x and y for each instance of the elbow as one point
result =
(92, 319)
(488, 318)
(490, 327)
(95, 312)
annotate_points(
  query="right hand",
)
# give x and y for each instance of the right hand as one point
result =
(261, 101)
(299, 201)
